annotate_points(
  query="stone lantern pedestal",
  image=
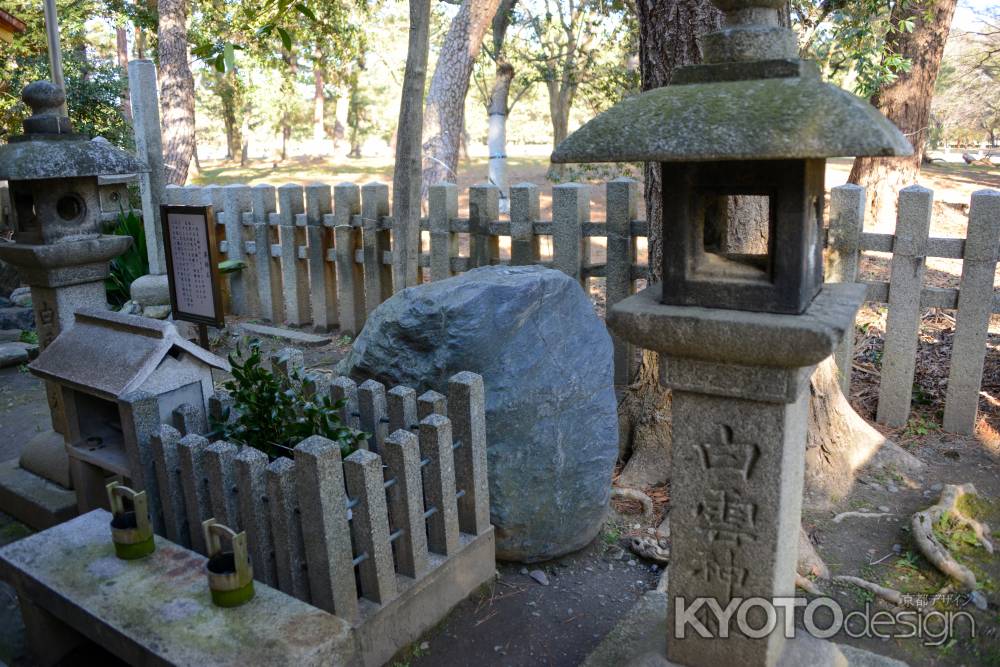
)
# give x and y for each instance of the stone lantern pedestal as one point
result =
(56, 179)
(740, 407)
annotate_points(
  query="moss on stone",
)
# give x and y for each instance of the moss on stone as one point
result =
(783, 118)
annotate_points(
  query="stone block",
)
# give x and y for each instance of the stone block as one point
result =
(34, 500)
(13, 354)
(45, 455)
(16, 317)
(150, 290)
(291, 336)
(21, 297)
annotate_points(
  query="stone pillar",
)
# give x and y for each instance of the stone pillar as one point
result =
(149, 147)
(740, 383)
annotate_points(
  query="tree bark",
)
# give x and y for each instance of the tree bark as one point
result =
(319, 101)
(497, 134)
(406, 176)
(176, 90)
(121, 46)
(444, 115)
(907, 103)
(668, 38)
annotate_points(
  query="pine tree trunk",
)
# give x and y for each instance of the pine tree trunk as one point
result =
(668, 38)
(121, 46)
(406, 176)
(176, 90)
(907, 103)
(497, 134)
(319, 102)
(444, 115)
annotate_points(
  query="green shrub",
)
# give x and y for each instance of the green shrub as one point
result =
(273, 415)
(132, 264)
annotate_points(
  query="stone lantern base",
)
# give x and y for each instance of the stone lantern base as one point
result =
(740, 409)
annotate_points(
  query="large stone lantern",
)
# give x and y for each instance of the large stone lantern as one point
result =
(739, 328)
(59, 248)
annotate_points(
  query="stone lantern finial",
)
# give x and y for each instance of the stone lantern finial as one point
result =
(751, 30)
(46, 100)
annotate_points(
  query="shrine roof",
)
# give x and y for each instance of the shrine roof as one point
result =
(110, 354)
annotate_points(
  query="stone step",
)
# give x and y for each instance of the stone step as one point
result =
(298, 338)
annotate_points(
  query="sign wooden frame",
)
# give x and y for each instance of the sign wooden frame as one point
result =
(206, 213)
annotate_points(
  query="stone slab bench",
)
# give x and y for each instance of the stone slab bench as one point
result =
(156, 610)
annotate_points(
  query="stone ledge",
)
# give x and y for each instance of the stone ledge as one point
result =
(288, 335)
(33, 500)
(157, 610)
(739, 337)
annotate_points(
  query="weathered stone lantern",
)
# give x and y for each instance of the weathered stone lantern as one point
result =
(739, 329)
(54, 176)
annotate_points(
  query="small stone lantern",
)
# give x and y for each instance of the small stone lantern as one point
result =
(55, 179)
(739, 329)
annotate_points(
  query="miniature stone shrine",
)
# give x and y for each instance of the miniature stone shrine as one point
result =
(739, 335)
(119, 378)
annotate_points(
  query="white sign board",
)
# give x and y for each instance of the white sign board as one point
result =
(191, 263)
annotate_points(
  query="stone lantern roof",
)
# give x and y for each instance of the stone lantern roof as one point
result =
(50, 149)
(753, 98)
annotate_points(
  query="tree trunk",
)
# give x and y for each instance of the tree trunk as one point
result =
(121, 46)
(444, 115)
(406, 176)
(907, 103)
(668, 38)
(176, 90)
(319, 102)
(497, 134)
(229, 98)
(288, 94)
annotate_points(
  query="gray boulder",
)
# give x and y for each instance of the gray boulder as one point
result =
(16, 317)
(21, 297)
(551, 414)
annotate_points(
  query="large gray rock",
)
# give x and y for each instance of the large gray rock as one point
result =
(16, 317)
(546, 360)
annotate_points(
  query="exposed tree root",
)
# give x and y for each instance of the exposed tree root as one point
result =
(807, 585)
(867, 515)
(890, 595)
(637, 495)
(922, 525)
(809, 562)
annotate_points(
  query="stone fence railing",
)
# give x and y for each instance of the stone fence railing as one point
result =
(387, 538)
(322, 256)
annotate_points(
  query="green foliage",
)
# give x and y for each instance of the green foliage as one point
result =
(274, 415)
(132, 264)
(232, 266)
(94, 82)
(953, 533)
(29, 337)
(852, 39)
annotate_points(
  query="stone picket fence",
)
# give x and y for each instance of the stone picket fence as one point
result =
(323, 257)
(387, 538)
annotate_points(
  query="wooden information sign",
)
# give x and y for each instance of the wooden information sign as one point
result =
(192, 254)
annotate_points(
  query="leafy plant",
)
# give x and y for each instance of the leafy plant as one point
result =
(273, 414)
(29, 337)
(132, 264)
